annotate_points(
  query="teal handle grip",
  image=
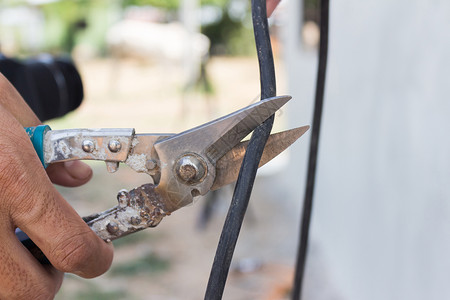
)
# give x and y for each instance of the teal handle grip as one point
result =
(36, 135)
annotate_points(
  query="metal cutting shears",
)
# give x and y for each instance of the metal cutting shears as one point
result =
(183, 166)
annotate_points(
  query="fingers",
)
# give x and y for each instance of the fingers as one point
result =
(21, 276)
(270, 6)
(31, 203)
(69, 244)
(70, 173)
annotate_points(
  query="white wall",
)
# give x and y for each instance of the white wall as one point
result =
(382, 208)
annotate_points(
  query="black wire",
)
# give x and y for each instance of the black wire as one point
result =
(244, 185)
(313, 149)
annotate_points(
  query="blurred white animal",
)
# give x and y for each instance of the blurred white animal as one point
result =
(170, 43)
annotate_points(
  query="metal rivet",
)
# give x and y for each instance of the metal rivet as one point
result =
(114, 146)
(190, 169)
(112, 227)
(135, 221)
(151, 164)
(123, 197)
(87, 146)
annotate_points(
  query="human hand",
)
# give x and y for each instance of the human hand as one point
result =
(271, 5)
(29, 201)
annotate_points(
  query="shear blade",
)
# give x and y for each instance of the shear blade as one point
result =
(219, 136)
(188, 159)
(227, 168)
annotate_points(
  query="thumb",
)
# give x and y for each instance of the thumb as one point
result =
(69, 173)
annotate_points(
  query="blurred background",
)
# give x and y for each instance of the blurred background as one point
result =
(380, 226)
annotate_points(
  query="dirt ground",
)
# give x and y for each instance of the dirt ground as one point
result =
(173, 260)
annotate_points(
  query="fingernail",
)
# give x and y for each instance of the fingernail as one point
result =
(77, 169)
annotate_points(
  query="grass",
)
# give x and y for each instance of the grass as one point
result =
(131, 239)
(88, 290)
(94, 293)
(150, 263)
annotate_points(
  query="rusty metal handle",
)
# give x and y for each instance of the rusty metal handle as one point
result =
(137, 209)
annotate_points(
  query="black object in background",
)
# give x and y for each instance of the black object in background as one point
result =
(313, 152)
(249, 167)
(52, 87)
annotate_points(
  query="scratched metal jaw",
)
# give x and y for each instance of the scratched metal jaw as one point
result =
(183, 166)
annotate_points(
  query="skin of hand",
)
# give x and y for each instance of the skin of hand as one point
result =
(270, 6)
(29, 201)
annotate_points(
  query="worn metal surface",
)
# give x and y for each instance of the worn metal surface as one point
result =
(182, 166)
(137, 209)
(77, 144)
(143, 207)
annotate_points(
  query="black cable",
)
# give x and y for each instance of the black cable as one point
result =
(313, 149)
(247, 174)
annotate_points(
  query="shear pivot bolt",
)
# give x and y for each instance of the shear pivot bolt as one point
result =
(87, 146)
(112, 227)
(190, 169)
(114, 146)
